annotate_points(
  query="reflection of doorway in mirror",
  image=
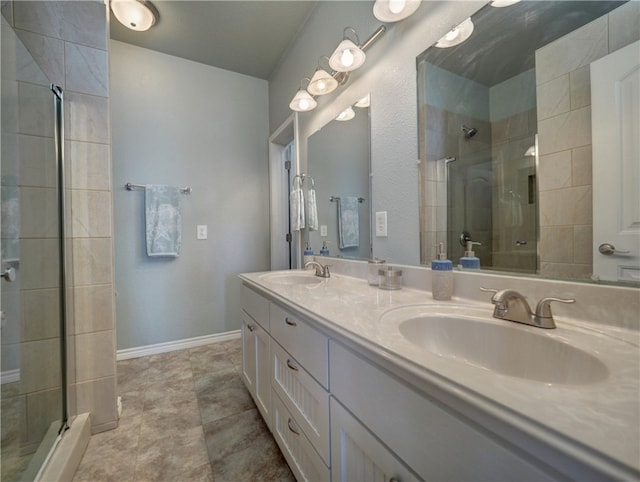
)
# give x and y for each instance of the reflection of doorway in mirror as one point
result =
(565, 140)
(615, 95)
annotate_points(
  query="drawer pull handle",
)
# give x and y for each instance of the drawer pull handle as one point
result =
(394, 479)
(289, 424)
(290, 322)
(251, 328)
(291, 365)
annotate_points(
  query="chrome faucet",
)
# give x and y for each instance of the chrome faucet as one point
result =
(512, 306)
(322, 271)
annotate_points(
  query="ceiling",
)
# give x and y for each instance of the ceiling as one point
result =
(248, 37)
(504, 40)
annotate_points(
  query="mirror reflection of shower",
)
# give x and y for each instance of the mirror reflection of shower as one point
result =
(468, 132)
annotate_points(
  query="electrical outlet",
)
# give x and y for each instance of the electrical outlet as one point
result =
(381, 224)
(323, 230)
(201, 231)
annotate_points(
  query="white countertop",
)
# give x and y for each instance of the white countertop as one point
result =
(603, 416)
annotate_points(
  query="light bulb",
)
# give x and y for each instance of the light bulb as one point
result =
(322, 85)
(304, 104)
(452, 34)
(396, 6)
(346, 58)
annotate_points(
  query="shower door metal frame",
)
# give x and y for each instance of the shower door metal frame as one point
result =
(58, 103)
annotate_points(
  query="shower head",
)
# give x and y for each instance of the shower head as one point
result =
(469, 132)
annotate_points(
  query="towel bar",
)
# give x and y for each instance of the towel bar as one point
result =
(131, 186)
(337, 198)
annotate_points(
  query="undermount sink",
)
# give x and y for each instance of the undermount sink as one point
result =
(503, 347)
(292, 278)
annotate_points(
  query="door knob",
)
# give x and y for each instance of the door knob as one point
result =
(608, 249)
(9, 274)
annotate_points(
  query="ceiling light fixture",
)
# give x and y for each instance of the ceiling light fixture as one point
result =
(302, 101)
(394, 10)
(364, 102)
(346, 115)
(503, 3)
(348, 56)
(139, 15)
(322, 82)
(456, 35)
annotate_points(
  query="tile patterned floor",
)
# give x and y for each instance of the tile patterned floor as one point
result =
(186, 417)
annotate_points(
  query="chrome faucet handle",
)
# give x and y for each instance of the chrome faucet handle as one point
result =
(543, 309)
(488, 290)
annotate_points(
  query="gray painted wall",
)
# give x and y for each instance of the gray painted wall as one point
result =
(183, 123)
(390, 75)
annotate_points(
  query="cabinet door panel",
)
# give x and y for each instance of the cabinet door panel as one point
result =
(357, 455)
(263, 373)
(248, 353)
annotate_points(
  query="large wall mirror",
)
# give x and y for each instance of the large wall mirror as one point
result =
(509, 158)
(338, 167)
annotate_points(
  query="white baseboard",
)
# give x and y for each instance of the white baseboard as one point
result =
(176, 345)
(10, 376)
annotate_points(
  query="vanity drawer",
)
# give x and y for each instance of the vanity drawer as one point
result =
(255, 306)
(307, 345)
(304, 398)
(304, 461)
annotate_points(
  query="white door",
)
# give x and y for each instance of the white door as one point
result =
(615, 99)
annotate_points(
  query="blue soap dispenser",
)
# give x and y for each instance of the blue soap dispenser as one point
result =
(441, 276)
(307, 255)
(324, 251)
(470, 260)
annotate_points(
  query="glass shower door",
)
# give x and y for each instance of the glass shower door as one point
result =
(32, 339)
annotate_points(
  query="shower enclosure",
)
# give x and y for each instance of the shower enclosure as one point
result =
(33, 385)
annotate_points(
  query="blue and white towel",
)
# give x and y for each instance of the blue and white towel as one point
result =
(163, 216)
(348, 222)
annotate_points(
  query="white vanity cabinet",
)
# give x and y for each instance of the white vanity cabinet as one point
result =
(286, 370)
(426, 438)
(256, 354)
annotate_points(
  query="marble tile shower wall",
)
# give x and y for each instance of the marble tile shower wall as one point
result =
(564, 131)
(513, 215)
(69, 41)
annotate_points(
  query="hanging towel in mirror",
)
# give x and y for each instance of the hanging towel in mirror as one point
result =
(163, 217)
(296, 206)
(348, 222)
(312, 210)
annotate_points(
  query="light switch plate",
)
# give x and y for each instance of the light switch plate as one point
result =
(323, 230)
(201, 231)
(381, 224)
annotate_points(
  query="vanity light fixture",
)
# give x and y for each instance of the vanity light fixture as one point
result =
(346, 115)
(531, 152)
(302, 102)
(347, 56)
(139, 15)
(456, 35)
(364, 102)
(394, 10)
(322, 82)
(503, 3)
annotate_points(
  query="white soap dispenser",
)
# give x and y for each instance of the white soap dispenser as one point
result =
(441, 276)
